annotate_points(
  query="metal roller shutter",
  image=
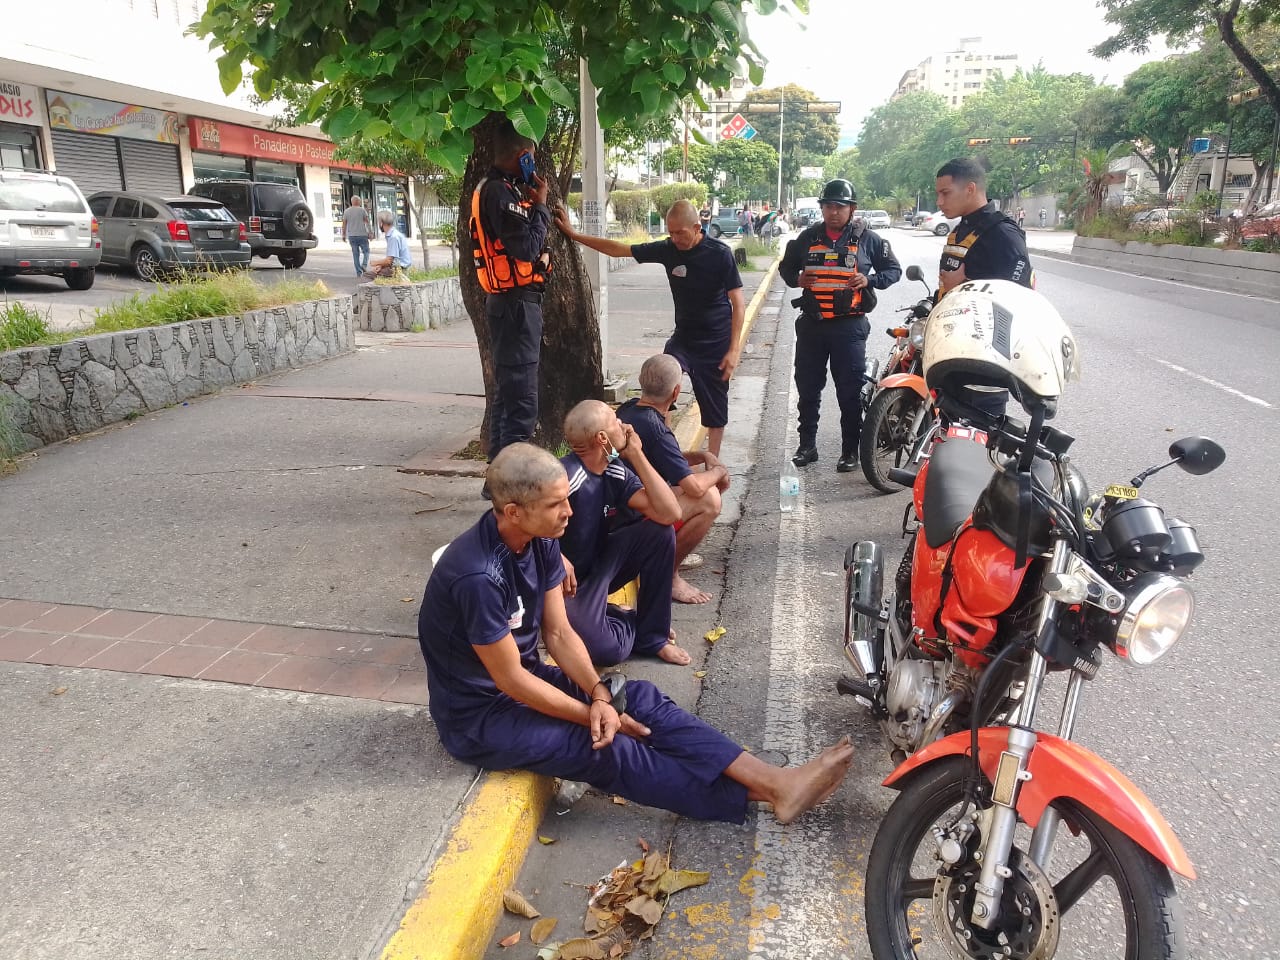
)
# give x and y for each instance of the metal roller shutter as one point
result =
(88, 159)
(151, 167)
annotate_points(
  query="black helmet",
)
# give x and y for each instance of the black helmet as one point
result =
(838, 191)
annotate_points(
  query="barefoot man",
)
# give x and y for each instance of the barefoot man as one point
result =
(620, 530)
(697, 492)
(493, 593)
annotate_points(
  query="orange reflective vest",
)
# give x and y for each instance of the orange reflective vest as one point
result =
(497, 270)
(832, 267)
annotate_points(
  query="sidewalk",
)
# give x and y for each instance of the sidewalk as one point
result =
(209, 613)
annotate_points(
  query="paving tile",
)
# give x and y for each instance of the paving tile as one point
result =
(240, 666)
(15, 613)
(182, 661)
(118, 623)
(409, 687)
(398, 651)
(223, 633)
(169, 629)
(274, 639)
(127, 656)
(300, 673)
(65, 618)
(334, 644)
(70, 651)
(18, 645)
(367, 680)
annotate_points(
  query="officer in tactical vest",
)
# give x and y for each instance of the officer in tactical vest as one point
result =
(509, 223)
(839, 264)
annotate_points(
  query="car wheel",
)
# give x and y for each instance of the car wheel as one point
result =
(293, 260)
(941, 230)
(145, 264)
(298, 220)
(715, 232)
(79, 279)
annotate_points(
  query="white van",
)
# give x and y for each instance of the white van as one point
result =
(46, 228)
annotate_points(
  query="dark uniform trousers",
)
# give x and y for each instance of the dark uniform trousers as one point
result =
(842, 343)
(515, 335)
(646, 550)
(679, 766)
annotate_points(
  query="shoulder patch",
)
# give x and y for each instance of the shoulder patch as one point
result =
(518, 210)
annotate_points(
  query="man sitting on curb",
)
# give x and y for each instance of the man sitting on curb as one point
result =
(697, 493)
(620, 530)
(498, 706)
(398, 258)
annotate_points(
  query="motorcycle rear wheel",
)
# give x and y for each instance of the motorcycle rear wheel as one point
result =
(1139, 918)
(887, 438)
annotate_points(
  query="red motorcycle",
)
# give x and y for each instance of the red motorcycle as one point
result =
(1014, 572)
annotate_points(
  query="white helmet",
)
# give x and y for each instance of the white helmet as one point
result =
(999, 334)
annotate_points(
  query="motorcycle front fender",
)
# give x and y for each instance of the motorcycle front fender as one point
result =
(912, 380)
(1062, 769)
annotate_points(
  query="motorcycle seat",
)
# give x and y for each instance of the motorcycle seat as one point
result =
(959, 471)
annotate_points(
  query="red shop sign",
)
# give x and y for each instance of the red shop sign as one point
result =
(218, 137)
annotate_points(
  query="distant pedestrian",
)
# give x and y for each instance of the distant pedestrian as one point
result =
(744, 222)
(356, 230)
(398, 258)
(1043, 214)
(1022, 217)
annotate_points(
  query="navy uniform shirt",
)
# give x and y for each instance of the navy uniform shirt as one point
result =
(990, 246)
(478, 593)
(599, 504)
(876, 260)
(661, 448)
(522, 230)
(700, 280)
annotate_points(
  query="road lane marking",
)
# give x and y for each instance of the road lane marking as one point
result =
(1215, 383)
(1139, 276)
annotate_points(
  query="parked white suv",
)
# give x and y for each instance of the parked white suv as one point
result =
(46, 227)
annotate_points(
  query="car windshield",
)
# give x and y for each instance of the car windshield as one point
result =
(276, 196)
(48, 195)
(189, 210)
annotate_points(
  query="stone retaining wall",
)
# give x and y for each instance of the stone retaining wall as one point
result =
(402, 306)
(88, 383)
(1237, 271)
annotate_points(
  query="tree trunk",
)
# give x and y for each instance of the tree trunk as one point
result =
(570, 368)
(1226, 21)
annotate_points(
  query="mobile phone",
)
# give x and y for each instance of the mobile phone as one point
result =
(527, 167)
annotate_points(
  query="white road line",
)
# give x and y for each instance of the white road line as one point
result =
(1214, 383)
(1177, 283)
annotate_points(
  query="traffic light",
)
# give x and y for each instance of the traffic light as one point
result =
(1238, 98)
(1017, 141)
(979, 141)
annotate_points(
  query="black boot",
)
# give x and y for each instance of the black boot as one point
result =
(805, 454)
(847, 463)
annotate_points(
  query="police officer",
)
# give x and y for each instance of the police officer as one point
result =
(985, 245)
(509, 223)
(839, 263)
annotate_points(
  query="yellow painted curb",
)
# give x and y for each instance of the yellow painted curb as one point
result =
(455, 916)
(688, 429)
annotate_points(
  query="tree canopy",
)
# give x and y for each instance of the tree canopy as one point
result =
(806, 137)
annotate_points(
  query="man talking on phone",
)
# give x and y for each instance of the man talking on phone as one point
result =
(509, 222)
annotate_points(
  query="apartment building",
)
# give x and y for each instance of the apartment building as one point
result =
(957, 74)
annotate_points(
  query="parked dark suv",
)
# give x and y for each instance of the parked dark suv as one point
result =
(279, 222)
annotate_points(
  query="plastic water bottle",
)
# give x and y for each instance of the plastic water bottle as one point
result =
(788, 487)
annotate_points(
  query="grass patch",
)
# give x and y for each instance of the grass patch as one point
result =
(754, 247)
(216, 295)
(418, 275)
(21, 326)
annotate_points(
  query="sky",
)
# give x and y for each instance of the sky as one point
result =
(857, 52)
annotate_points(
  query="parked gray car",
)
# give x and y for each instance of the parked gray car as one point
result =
(46, 227)
(154, 234)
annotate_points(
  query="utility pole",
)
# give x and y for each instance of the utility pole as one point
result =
(782, 115)
(593, 207)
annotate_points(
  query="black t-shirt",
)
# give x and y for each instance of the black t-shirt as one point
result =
(990, 246)
(700, 280)
(661, 448)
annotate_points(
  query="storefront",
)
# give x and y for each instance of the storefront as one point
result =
(104, 145)
(377, 191)
(21, 120)
(227, 151)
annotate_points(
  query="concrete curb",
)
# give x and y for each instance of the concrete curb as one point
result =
(455, 915)
(688, 427)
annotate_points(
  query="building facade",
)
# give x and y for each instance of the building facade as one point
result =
(957, 74)
(120, 96)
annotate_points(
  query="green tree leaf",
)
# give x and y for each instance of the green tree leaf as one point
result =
(559, 93)
(345, 121)
(530, 120)
(230, 73)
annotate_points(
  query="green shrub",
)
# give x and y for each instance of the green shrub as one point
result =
(667, 194)
(21, 326)
(755, 247)
(629, 206)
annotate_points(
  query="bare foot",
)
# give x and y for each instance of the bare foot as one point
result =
(673, 654)
(684, 592)
(804, 787)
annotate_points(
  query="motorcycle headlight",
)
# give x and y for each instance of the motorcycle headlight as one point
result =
(1158, 612)
(917, 334)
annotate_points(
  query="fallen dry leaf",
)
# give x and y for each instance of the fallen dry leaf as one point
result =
(513, 901)
(581, 948)
(542, 929)
(714, 634)
(644, 845)
(546, 841)
(407, 599)
(673, 881)
(620, 801)
(655, 865)
(510, 941)
(615, 950)
(58, 691)
(699, 674)
(646, 908)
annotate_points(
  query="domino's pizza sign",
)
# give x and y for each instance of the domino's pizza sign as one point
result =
(738, 128)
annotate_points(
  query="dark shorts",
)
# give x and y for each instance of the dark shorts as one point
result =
(702, 364)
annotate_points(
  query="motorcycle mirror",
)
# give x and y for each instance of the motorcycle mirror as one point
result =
(1197, 455)
(914, 273)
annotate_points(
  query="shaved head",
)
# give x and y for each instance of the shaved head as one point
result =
(584, 421)
(684, 213)
(659, 376)
(520, 474)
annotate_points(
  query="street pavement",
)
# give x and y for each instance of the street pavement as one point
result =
(263, 548)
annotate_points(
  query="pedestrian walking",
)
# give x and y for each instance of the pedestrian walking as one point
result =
(839, 264)
(1022, 216)
(356, 230)
(1042, 217)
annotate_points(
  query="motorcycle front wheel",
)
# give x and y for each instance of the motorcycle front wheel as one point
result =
(1107, 897)
(887, 438)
